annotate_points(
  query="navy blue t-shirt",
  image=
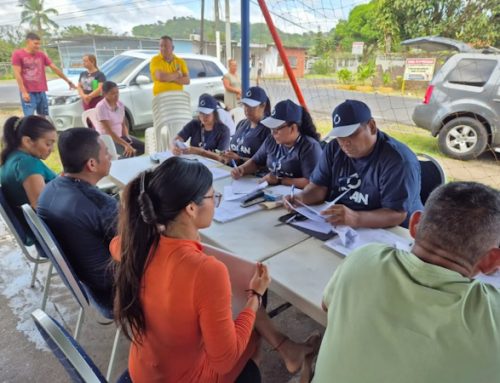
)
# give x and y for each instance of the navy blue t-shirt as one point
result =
(247, 140)
(83, 219)
(389, 177)
(295, 162)
(217, 138)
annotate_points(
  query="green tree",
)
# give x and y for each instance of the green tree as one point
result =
(89, 29)
(472, 21)
(36, 16)
(361, 25)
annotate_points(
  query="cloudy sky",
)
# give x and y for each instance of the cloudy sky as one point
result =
(121, 15)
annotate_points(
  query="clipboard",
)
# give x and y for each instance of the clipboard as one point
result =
(312, 233)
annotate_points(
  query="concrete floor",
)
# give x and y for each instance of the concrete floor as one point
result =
(24, 357)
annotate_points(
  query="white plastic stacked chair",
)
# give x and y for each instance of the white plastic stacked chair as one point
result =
(171, 111)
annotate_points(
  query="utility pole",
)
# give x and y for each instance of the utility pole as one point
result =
(216, 28)
(202, 37)
(216, 16)
(228, 32)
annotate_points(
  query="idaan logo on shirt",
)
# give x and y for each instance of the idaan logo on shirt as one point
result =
(352, 183)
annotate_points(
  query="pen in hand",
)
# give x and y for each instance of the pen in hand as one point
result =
(233, 164)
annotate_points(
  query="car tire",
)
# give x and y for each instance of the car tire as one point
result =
(129, 122)
(463, 138)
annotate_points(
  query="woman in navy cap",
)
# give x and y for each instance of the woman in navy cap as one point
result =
(207, 133)
(293, 150)
(250, 133)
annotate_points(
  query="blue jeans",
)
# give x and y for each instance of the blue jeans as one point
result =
(38, 103)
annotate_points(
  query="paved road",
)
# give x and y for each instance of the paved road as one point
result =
(9, 94)
(321, 98)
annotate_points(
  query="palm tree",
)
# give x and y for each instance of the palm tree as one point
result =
(36, 16)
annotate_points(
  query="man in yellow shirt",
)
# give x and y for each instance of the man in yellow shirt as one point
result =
(168, 71)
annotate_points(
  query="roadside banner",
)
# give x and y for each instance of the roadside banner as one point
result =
(357, 47)
(417, 69)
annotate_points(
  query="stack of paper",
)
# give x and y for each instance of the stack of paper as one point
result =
(230, 210)
(366, 236)
(247, 185)
(218, 173)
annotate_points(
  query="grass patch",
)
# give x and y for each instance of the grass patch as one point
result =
(54, 161)
(319, 76)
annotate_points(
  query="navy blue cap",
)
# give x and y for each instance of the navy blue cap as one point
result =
(207, 104)
(284, 111)
(254, 96)
(348, 116)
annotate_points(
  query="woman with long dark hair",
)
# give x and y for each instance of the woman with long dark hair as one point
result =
(90, 82)
(291, 152)
(172, 300)
(250, 133)
(26, 141)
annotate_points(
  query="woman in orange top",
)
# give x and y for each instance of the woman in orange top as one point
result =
(172, 300)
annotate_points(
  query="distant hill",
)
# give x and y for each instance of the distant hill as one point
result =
(182, 27)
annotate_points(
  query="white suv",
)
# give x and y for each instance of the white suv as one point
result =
(130, 70)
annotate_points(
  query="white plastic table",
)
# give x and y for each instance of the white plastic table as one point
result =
(253, 237)
(299, 274)
(124, 171)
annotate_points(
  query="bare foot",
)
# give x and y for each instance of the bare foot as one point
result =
(307, 372)
(294, 354)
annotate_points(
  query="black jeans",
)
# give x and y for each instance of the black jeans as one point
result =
(137, 144)
(249, 374)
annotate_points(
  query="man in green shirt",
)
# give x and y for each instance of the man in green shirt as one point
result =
(419, 316)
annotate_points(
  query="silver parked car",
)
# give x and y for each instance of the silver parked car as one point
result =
(462, 103)
(130, 70)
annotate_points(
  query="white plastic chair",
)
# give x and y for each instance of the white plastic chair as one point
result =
(227, 119)
(90, 114)
(171, 111)
(110, 144)
(237, 114)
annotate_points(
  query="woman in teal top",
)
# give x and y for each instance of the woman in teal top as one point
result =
(26, 141)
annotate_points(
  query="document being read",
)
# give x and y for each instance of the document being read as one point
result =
(366, 236)
(317, 222)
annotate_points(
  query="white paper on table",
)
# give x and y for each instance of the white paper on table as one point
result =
(229, 210)
(247, 185)
(320, 227)
(347, 234)
(230, 196)
(366, 236)
(218, 173)
(162, 156)
(311, 212)
(493, 279)
(279, 190)
(209, 163)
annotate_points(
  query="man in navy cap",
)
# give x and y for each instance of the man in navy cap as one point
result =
(375, 179)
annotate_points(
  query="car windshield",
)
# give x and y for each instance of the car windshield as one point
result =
(119, 67)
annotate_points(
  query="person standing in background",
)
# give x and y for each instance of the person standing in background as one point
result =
(232, 85)
(29, 65)
(169, 72)
(90, 83)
